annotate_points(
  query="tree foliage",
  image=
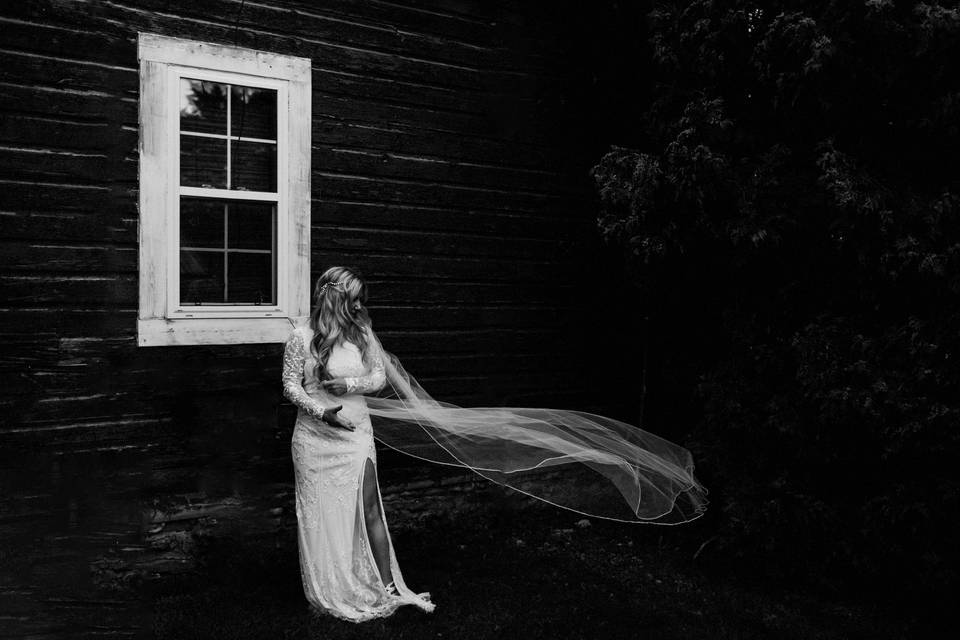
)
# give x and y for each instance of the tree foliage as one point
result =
(794, 165)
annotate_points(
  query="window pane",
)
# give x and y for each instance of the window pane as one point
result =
(254, 166)
(203, 162)
(249, 257)
(201, 277)
(250, 225)
(203, 106)
(251, 278)
(254, 113)
(201, 223)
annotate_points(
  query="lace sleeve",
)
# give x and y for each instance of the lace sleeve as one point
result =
(294, 357)
(374, 380)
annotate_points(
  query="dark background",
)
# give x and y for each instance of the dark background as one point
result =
(785, 198)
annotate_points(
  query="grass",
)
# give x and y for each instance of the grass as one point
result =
(500, 567)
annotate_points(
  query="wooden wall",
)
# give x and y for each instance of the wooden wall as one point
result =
(449, 167)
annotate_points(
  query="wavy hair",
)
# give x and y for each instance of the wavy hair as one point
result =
(338, 315)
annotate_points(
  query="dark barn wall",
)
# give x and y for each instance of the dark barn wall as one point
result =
(446, 168)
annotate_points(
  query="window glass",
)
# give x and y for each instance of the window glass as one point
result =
(251, 225)
(254, 166)
(201, 223)
(203, 106)
(250, 278)
(254, 113)
(201, 276)
(228, 252)
(203, 162)
(227, 146)
(228, 140)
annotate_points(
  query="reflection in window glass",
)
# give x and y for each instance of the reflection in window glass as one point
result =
(227, 146)
(203, 106)
(254, 113)
(254, 166)
(203, 162)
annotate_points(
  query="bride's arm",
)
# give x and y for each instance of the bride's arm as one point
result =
(376, 377)
(294, 356)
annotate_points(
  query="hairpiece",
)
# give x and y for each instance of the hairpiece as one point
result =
(336, 285)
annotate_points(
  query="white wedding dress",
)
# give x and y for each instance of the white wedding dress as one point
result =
(337, 565)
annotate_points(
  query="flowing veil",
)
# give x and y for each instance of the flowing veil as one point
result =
(590, 464)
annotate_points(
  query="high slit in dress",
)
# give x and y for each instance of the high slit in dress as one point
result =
(337, 565)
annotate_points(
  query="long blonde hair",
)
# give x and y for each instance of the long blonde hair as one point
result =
(334, 318)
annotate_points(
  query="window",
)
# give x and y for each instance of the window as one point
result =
(224, 193)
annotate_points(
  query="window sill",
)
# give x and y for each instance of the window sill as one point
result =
(162, 332)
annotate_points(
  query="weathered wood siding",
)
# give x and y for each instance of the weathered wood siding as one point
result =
(447, 167)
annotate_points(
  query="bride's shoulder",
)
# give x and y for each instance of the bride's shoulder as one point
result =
(302, 332)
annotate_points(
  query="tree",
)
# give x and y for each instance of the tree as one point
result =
(791, 172)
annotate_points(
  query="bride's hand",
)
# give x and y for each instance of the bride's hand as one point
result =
(337, 386)
(333, 418)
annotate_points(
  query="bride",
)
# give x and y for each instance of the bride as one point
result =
(347, 560)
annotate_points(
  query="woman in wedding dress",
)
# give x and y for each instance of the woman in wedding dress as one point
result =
(347, 561)
(589, 464)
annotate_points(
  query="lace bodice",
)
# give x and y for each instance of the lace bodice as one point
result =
(301, 385)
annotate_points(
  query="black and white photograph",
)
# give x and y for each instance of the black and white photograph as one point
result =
(479, 319)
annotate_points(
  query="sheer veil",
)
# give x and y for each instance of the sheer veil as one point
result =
(590, 464)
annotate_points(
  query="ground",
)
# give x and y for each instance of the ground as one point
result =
(502, 567)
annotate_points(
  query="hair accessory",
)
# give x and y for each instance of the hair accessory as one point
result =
(336, 285)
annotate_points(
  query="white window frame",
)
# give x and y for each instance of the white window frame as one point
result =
(162, 321)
